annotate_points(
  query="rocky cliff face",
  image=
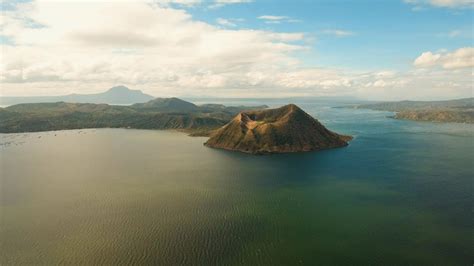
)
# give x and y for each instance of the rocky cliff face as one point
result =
(281, 130)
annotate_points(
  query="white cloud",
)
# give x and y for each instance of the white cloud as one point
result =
(421, 84)
(137, 50)
(457, 33)
(221, 3)
(269, 17)
(165, 52)
(461, 58)
(272, 19)
(232, 1)
(427, 59)
(443, 3)
(225, 22)
(452, 3)
(454, 33)
(169, 2)
(338, 32)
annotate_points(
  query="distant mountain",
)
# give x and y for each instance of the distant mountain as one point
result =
(459, 110)
(281, 130)
(163, 113)
(115, 95)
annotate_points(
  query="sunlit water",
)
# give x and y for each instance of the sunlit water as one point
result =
(400, 193)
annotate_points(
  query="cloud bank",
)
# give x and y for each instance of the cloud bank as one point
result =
(57, 47)
(443, 3)
(461, 58)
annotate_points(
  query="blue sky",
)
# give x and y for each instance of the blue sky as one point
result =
(386, 34)
(390, 49)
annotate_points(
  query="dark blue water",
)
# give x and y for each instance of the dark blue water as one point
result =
(399, 194)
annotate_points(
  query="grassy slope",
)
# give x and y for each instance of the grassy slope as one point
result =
(174, 114)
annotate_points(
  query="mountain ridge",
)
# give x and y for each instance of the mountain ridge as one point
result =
(33, 117)
(172, 104)
(115, 95)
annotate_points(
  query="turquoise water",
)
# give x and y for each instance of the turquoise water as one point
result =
(399, 194)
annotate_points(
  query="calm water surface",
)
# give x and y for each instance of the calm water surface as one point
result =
(400, 193)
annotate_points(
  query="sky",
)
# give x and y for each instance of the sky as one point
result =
(369, 49)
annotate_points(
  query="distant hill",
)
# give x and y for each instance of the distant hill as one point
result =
(162, 113)
(459, 110)
(281, 130)
(167, 105)
(457, 116)
(420, 105)
(115, 95)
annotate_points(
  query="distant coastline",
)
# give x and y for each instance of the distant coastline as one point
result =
(251, 129)
(450, 111)
(160, 113)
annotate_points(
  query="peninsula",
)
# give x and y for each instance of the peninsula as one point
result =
(458, 111)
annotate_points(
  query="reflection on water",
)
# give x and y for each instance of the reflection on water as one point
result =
(400, 193)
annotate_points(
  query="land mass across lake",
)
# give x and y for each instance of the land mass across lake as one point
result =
(251, 129)
(160, 113)
(114, 95)
(459, 110)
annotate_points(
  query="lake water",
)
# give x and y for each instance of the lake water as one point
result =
(401, 193)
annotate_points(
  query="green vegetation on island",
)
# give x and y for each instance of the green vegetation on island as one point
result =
(253, 129)
(459, 111)
(160, 113)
